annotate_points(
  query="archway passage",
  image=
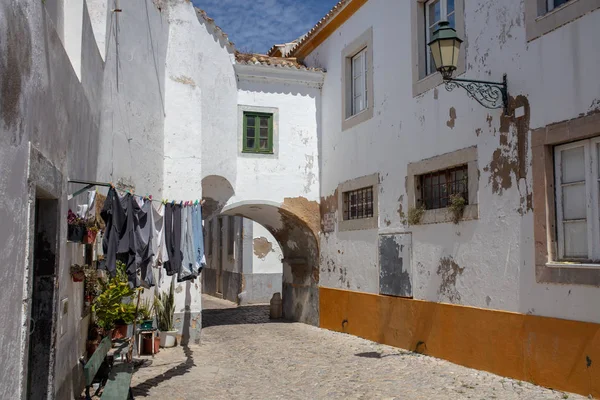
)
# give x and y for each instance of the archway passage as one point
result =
(294, 224)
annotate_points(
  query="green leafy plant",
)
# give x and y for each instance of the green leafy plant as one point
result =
(164, 307)
(457, 207)
(146, 310)
(92, 285)
(415, 214)
(109, 307)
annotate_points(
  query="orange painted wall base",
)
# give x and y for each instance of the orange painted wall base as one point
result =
(555, 353)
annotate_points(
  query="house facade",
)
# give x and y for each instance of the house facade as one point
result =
(510, 286)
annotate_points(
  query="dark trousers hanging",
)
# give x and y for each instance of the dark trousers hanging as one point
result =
(173, 239)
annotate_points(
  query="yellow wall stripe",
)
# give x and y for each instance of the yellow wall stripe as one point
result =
(555, 353)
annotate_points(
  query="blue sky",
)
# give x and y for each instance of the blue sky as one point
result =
(256, 25)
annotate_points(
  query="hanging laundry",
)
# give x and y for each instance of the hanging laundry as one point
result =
(116, 233)
(127, 235)
(172, 234)
(187, 268)
(200, 261)
(144, 231)
(158, 242)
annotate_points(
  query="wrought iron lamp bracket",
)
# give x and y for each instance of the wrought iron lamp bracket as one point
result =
(488, 94)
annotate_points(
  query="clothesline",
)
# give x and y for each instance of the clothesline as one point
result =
(90, 184)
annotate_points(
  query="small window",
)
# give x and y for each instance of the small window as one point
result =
(231, 235)
(358, 204)
(436, 11)
(359, 82)
(577, 185)
(437, 187)
(552, 4)
(258, 133)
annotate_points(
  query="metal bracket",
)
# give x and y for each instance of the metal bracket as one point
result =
(89, 185)
(489, 94)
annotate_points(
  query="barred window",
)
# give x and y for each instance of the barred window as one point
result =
(437, 187)
(358, 203)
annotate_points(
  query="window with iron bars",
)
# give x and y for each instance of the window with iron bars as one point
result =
(437, 187)
(358, 203)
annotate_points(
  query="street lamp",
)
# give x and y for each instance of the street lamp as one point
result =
(445, 49)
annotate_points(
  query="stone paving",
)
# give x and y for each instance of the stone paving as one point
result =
(243, 355)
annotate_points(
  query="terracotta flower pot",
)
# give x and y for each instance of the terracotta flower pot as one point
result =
(78, 276)
(90, 236)
(119, 332)
(147, 345)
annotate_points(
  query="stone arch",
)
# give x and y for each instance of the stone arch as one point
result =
(295, 225)
(216, 191)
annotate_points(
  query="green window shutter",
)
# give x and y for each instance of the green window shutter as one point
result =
(258, 133)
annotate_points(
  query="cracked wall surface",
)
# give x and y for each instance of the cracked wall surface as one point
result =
(495, 248)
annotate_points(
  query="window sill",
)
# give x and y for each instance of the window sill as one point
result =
(555, 10)
(358, 224)
(443, 215)
(267, 153)
(568, 264)
(356, 119)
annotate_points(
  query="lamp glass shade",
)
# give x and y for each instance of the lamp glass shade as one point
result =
(445, 48)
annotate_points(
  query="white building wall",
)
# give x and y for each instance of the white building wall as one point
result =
(295, 170)
(494, 254)
(266, 252)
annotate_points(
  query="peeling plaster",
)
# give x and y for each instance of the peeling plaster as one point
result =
(509, 160)
(310, 176)
(449, 271)
(452, 114)
(262, 247)
(186, 80)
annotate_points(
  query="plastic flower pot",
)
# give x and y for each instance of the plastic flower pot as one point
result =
(168, 339)
(75, 233)
(146, 324)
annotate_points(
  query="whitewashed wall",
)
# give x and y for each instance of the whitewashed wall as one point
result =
(494, 254)
(266, 252)
(295, 171)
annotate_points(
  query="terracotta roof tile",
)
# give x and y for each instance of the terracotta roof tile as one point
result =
(218, 30)
(279, 62)
(332, 13)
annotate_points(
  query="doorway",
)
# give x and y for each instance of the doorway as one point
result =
(43, 313)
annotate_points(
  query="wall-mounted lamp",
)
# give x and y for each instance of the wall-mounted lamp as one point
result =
(445, 48)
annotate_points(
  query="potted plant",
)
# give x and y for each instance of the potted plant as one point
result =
(145, 315)
(91, 285)
(77, 273)
(109, 308)
(90, 235)
(164, 307)
(76, 228)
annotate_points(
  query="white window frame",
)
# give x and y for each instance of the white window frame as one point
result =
(362, 46)
(428, 25)
(359, 75)
(592, 186)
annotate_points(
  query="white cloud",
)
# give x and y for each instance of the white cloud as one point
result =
(257, 25)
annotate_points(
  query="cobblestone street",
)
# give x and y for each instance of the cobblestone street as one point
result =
(245, 356)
